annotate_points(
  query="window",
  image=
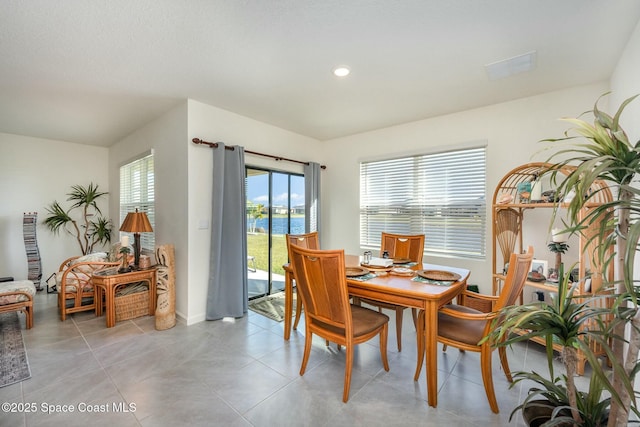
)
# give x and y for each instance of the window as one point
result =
(137, 191)
(441, 195)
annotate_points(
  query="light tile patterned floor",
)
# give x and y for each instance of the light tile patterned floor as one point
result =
(238, 374)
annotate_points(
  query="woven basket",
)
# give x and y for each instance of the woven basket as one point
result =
(132, 306)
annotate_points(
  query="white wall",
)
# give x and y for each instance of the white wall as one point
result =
(213, 124)
(624, 84)
(166, 136)
(33, 173)
(511, 131)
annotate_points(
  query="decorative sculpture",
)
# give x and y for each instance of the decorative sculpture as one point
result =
(166, 287)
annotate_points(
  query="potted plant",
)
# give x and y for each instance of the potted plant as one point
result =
(87, 231)
(598, 151)
(571, 323)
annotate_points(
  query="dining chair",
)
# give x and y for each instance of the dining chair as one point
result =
(466, 324)
(322, 284)
(308, 241)
(399, 246)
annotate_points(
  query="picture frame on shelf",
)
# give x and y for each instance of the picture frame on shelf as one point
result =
(540, 266)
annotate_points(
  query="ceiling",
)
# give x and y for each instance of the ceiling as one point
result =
(92, 71)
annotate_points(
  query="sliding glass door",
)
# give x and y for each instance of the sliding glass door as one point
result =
(275, 207)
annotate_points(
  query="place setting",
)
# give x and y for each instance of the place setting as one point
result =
(436, 277)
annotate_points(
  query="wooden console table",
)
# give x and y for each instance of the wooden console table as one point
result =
(107, 284)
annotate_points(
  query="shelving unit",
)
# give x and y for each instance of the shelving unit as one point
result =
(509, 215)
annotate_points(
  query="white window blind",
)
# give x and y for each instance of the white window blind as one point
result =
(137, 191)
(439, 195)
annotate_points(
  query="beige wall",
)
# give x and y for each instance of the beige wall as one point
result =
(214, 124)
(166, 136)
(33, 173)
(511, 132)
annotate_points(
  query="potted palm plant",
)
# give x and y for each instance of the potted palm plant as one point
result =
(595, 151)
(570, 323)
(90, 228)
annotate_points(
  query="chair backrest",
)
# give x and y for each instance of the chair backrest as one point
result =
(321, 280)
(307, 241)
(519, 268)
(403, 246)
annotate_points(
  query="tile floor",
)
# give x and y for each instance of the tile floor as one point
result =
(238, 374)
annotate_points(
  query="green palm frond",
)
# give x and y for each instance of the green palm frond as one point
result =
(58, 217)
(88, 232)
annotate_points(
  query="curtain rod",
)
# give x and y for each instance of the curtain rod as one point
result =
(231, 147)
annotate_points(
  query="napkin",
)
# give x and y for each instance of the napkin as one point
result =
(381, 262)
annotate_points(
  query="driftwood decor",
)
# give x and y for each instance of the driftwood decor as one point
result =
(166, 287)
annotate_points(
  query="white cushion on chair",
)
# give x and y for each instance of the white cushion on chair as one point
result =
(16, 286)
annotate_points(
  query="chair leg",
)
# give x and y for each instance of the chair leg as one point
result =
(384, 333)
(487, 377)
(307, 350)
(298, 310)
(347, 372)
(505, 363)
(399, 311)
(29, 314)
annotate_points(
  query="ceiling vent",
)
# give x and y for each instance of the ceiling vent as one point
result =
(509, 67)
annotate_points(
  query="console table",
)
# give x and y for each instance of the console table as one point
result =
(107, 283)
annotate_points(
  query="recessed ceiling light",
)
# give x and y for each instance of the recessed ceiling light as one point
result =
(341, 71)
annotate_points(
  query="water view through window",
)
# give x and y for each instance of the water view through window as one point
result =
(275, 207)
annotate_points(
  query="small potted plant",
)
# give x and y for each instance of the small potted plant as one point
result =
(124, 268)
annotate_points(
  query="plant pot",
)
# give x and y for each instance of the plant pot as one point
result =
(538, 412)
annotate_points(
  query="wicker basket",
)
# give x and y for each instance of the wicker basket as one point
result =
(132, 305)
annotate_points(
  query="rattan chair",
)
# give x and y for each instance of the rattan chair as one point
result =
(322, 285)
(464, 325)
(73, 283)
(398, 246)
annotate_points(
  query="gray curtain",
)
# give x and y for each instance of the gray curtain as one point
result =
(312, 197)
(227, 292)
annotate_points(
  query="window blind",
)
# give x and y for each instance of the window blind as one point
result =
(137, 191)
(440, 195)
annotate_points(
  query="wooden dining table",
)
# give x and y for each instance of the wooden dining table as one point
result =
(404, 291)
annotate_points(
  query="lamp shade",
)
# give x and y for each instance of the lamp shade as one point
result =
(136, 222)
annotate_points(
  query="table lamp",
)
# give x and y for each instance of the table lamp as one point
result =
(136, 223)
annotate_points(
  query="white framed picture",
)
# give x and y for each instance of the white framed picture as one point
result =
(540, 266)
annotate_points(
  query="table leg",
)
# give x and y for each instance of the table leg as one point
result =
(111, 306)
(431, 354)
(288, 303)
(98, 300)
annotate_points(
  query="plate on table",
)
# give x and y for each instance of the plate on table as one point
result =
(376, 267)
(441, 275)
(401, 260)
(402, 271)
(356, 271)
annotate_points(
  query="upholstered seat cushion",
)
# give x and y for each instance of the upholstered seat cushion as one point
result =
(73, 280)
(364, 321)
(467, 331)
(16, 286)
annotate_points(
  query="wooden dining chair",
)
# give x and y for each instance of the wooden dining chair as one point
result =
(465, 324)
(399, 246)
(322, 283)
(307, 241)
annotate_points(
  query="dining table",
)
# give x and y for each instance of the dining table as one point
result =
(408, 290)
